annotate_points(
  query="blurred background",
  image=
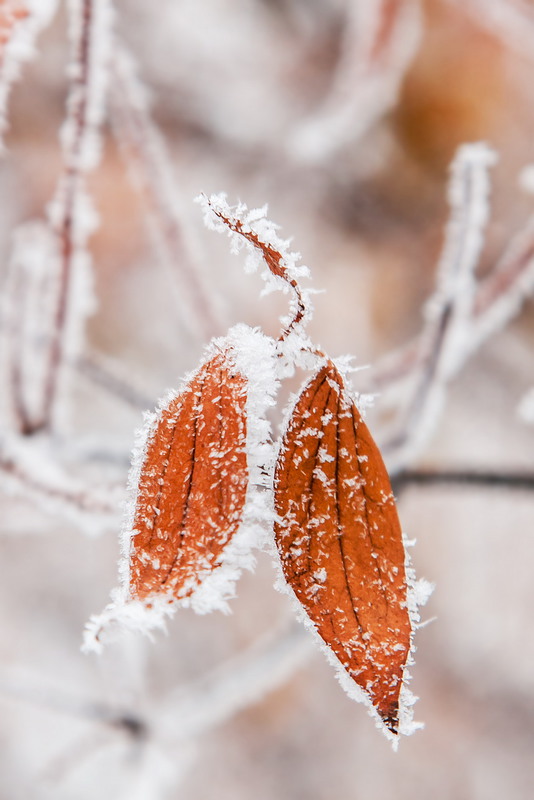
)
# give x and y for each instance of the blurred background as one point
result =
(344, 118)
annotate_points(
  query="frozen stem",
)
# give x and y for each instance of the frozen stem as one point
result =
(260, 234)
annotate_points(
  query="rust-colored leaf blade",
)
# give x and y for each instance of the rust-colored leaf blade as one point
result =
(193, 484)
(340, 541)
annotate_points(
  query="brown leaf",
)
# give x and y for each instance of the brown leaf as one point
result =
(340, 540)
(193, 484)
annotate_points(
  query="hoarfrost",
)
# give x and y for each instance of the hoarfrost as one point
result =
(418, 592)
(258, 235)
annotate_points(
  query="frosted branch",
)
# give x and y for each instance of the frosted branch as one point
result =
(512, 21)
(107, 375)
(503, 292)
(148, 159)
(28, 307)
(445, 337)
(259, 235)
(21, 21)
(31, 472)
(194, 709)
(70, 214)
(378, 43)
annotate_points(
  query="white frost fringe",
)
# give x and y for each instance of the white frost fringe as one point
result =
(253, 354)
(418, 592)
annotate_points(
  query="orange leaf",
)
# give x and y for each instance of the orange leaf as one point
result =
(192, 485)
(340, 540)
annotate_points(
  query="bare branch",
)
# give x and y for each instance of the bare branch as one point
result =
(514, 481)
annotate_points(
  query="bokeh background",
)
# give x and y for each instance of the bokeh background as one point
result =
(347, 132)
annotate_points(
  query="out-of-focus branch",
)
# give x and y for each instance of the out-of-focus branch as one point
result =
(62, 702)
(498, 298)
(28, 309)
(379, 40)
(514, 481)
(512, 21)
(245, 679)
(502, 293)
(48, 286)
(21, 21)
(30, 472)
(70, 213)
(446, 332)
(146, 154)
(105, 374)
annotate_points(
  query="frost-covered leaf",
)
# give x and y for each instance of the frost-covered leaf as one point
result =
(340, 541)
(193, 483)
(198, 502)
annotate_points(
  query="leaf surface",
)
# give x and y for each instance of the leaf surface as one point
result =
(193, 484)
(340, 541)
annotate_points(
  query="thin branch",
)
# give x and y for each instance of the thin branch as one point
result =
(28, 308)
(70, 213)
(511, 21)
(260, 236)
(104, 374)
(148, 159)
(194, 709)
(514, 481)
(378, 41)
(59, 701)
(446, 333)
(30, 473)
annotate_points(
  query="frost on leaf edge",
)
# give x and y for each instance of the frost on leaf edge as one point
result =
(417, 593)
(254, 356)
